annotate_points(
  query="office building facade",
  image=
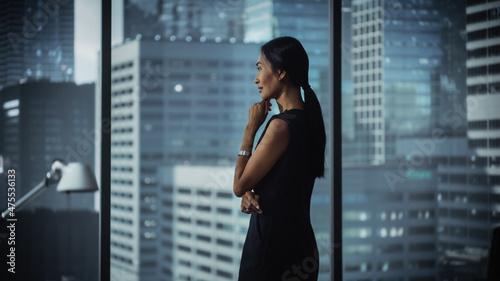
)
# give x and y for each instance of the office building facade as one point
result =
(208, 227)
(395, 61)
(184, 20)
(409, 77)
(468, 195)
(389, 234)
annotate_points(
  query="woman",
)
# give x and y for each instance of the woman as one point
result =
(290, 155)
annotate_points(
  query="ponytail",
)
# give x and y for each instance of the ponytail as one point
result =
(316, 133)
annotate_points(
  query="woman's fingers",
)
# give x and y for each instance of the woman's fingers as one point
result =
(250, 197)
(257, 113)
(249, 208)
(249, 203)
(246, 201)
(256, 203)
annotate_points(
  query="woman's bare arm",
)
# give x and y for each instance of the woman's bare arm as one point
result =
(249, 171)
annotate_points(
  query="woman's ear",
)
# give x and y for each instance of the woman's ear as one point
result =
(281, 74)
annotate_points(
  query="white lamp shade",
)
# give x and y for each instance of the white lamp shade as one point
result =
(77, 177)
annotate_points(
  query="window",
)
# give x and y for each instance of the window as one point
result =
(478, 125)
(432, 193)
(477, 17)
(180, 93)
(477, 35)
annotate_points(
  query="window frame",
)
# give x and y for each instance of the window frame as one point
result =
(105, 184)
(335, 19)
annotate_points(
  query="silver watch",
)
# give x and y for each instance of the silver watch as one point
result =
(244, 153)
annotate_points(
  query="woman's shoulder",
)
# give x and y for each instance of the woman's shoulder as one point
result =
(278, 125)
(289, 116)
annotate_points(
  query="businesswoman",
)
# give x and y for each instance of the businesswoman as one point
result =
(290, 155)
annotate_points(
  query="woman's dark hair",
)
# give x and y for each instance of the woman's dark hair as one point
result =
(287, 54)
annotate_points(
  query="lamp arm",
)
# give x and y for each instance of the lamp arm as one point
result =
(37, 190)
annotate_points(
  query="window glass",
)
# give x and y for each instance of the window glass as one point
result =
(48, 72)
(420, 139)
(183, 81)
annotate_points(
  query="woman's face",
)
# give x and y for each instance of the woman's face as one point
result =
(267, 81)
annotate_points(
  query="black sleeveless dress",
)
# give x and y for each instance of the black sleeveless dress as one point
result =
(280, 243)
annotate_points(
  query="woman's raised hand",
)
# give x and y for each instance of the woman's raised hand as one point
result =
(257, 114)
(250, 203)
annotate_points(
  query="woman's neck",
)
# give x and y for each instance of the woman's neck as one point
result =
(290, 99)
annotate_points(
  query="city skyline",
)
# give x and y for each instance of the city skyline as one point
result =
(436, 136)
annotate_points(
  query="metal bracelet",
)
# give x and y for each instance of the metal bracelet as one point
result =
(244, 153)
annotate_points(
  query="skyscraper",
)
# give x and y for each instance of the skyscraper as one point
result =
(409, 75)
(36, 41)
(452, 90)
(183, 19)
(388, 235)
(349, 146)
(395, 59)
(468, 193)
(11, 59)
(208, 227)
(464, 213)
